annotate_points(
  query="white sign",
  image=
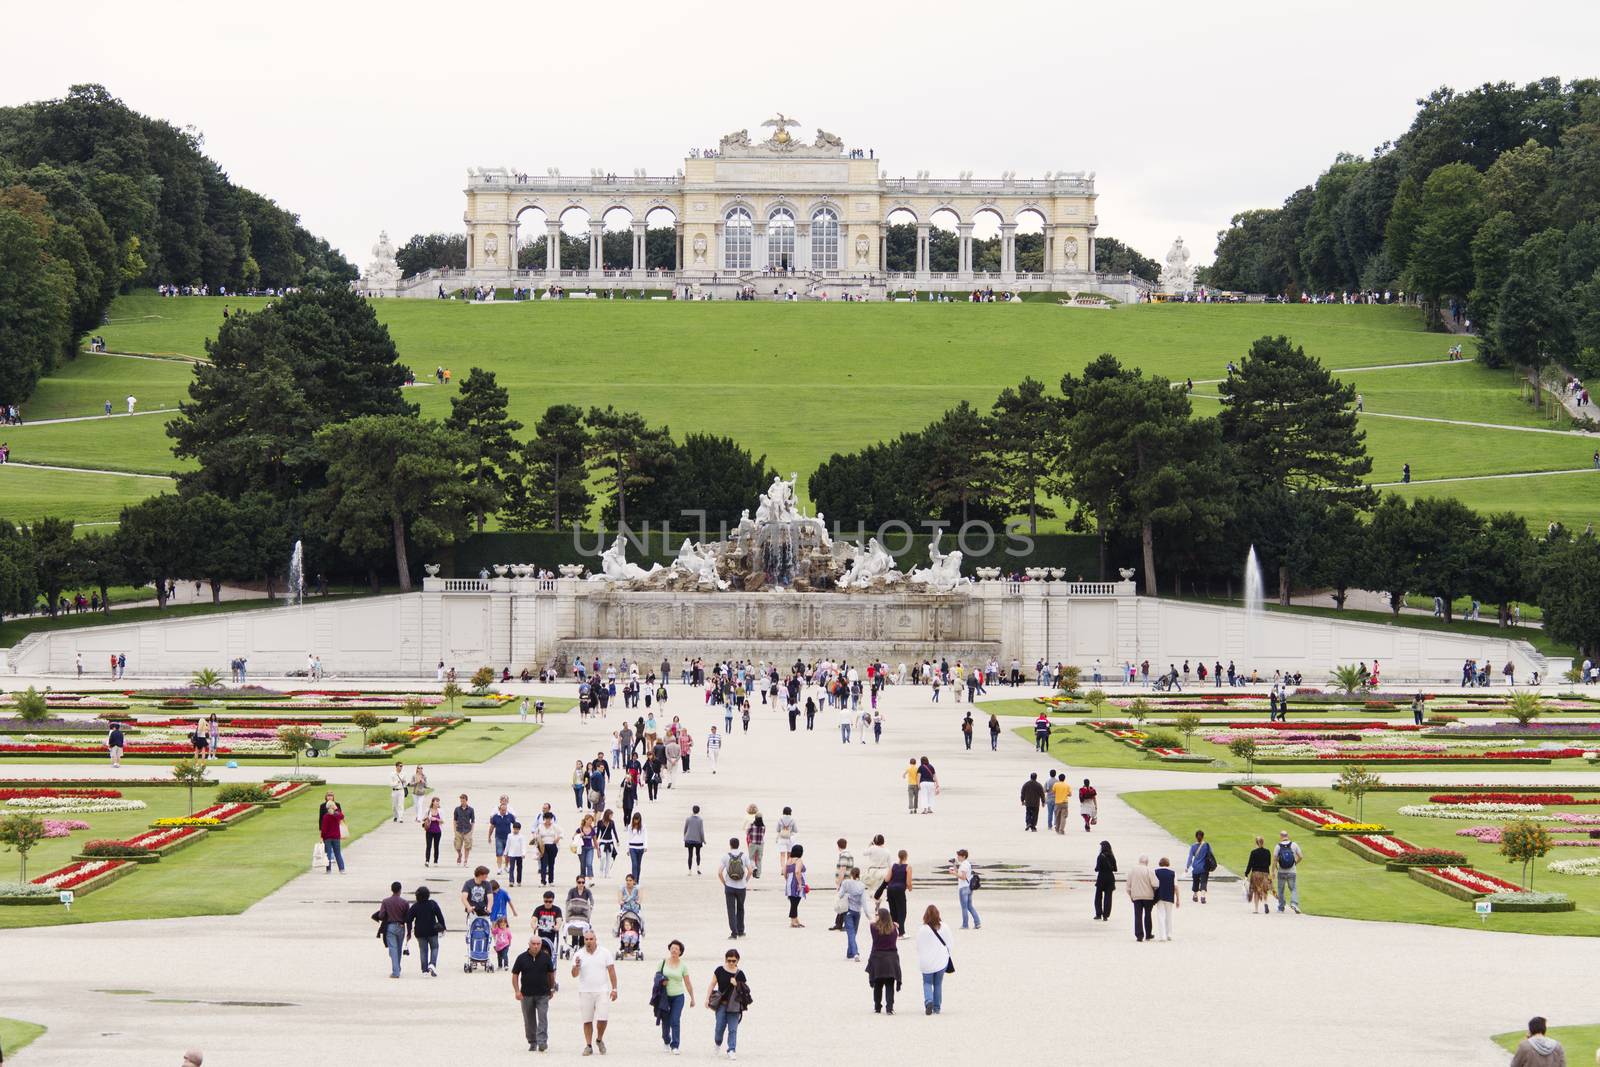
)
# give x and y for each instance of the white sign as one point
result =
(66, 897)
(1483, 907)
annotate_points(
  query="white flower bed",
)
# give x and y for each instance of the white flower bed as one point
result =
(79, 805)
(1588, 867)
(1468, 811)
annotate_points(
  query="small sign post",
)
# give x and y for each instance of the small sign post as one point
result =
(1483, 908)
(66, 898)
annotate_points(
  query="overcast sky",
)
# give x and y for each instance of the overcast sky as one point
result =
(363, 117)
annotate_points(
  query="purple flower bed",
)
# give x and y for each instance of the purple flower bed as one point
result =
(14, 725)
(1511, 729)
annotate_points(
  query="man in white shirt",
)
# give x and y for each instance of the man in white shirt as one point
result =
(548, 835)
(846, 717)
(131, 401)
(397, 790)
(595, 969)
(713, 748)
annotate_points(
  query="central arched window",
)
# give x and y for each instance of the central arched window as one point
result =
(824, 240)
(780, 239)
(736, 231)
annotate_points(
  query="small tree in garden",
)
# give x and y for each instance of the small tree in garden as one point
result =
(190, 773)
(295, 740)
(1357, 782)
(1350, 679)
(1187, 724)
(1524, 706)
(413, 707)
(482, 679)
(31, 706)
(1138, 710)
(365, 721)
(1067, 679)
(451, 693)
(1245, 748)
(1523, 842)
(1095, 698)
(206, 678)
(21, 833)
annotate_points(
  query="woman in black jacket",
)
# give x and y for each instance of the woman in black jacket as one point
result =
(1258, 873)
(425, 922)
(1105, 881)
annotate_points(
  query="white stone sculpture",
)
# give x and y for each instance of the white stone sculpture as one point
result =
(614, 565)
(698, 562)
(1177, 276)
(872, 564)
(778, 502)
(383, 273)
(943, 572)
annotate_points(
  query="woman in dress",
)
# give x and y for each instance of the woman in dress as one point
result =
(883, 965)
(420, 790)
(1105, 881)
(875, 862)
(794, 883)
(897, 885)
(432, 831)
(1258, 872)
(1088, 806)
(784, 830)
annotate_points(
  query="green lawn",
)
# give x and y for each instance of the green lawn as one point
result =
(1535, 636)
(878, 369)
(80, 387)
(27, 495)
(1335, 881)
(1080, 746)
(16, 1035)
(221, 875)
(1573, 499)
(139, 444)
(1580, 1042)
(14, 630)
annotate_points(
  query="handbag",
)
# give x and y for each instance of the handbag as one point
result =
(344, 829)
(949, 960)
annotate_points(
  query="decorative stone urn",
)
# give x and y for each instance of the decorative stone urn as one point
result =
(500, 570)
(1057, 573)
(431, 570)
(571, 570)
(987, 574)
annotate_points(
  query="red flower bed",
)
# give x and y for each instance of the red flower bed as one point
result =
(1537, 753)
(75, 874)
(1510, 798)
(94, 794)
(155, 839)
(1474, 880)
(45, 748)
(1318, 816)
(223, 812)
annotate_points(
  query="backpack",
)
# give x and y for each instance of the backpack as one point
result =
(736, 866)
(1211, 859)
(1285, 856)
(974, 882)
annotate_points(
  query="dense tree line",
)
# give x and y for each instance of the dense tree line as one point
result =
(95, 198)
(1489, 203)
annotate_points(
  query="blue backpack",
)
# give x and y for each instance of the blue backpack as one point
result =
(1285, 856)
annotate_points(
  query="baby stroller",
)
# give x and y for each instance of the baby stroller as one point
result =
(630, 936)
(577, 924)
(480, 945)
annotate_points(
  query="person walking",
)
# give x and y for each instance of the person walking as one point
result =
(397, 791)
(1041, 733)
(1063, 807)
(580, 782)
(1088, 805)
(785, 829)
(675, 986)
(927, 786)
(1258, 872)
(876, 865)
(391, 918)
(1200, 863)
(637, 843)
(1538, 1049)
(729, 996)
(966, 883)
(994, 733)
(424, 923)
(755, 837)
(1286, 863)
(895, 887)
(1141, 890)
(794, 882)
(734, 874)
(883, 965)
(432, 832)
(694, 838)
(933, 960)
(533, 982)
(595, 969)
(1032, 797)
(331, 825)
(1105, 881)
(966, 731)
(853, 898)
(420, 791)
(842, 864)
(500, 823)
(714, 744)
(913, 776)
(464, 818)
(115, 743)
(1166, 898)
(548, 836)
(606, 842)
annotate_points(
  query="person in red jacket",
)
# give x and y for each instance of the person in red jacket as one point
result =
(330, 823)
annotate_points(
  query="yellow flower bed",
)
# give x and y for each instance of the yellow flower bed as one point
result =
(186, 822)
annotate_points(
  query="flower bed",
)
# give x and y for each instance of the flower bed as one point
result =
(227, 814)
(1479, 787)
(158, 843)
(52, 791)
(1509, 798)
(75, 805)
(1521, 902)
(85, 876)
(1261, 796)
(1313, 818)
(1463, 883)
(186, 820)
(1588, 867)
(26, 893)
(141, 783)
(1334, 829)
(124, 850)
(283, 790)
(1376, 848)
(1467, 811)
(63, 827)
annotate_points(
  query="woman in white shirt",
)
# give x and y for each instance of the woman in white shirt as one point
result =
(933, 959)
(875, 862)
(637, 844)
(785, 829)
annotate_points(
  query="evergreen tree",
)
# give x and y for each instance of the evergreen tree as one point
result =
(1568, 576)
(479, 413)
(1027, 432)
(1503, 564)
(1447, 534)
(634, 454)
(554, 487)
(962, 473)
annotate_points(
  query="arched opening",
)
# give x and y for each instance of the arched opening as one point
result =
(824, 239)
(616, 239)
(661, 239)
(944, 241)
(737, 231)
(531, 230)
(574, 250)
(1030, 242)
(780, 239)
(900, 241)
(986, 241)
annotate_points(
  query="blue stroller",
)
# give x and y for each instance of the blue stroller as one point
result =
(480, 945)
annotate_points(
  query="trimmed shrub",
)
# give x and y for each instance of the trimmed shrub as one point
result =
(242, 793)
(1300, 798)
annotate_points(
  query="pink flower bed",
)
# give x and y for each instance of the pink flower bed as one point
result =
(63, 827)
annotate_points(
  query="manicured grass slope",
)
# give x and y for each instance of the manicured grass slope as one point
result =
(27, 495)
(1580, 1042)
(222, 875)
(15, 1035)
(1335, 881)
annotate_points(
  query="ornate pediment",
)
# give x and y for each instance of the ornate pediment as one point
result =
(782, 143)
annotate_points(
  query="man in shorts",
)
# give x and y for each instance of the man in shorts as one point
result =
(595, 969)
(500, 824)
(465, 819)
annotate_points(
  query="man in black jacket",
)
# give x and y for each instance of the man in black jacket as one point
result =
(1032, 797)
(425, 922)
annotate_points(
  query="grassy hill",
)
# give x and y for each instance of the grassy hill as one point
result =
(799, 382)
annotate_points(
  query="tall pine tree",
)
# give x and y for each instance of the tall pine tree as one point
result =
(478, 412)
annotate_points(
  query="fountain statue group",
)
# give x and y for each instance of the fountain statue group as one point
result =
(781, 547)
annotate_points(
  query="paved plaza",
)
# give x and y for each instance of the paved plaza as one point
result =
(300, 978)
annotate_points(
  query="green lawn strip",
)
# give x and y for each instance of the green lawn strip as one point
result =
(1438, 450)
(16, 1035)
(1082, 747)
(552, 706)
(1580, 1042)
(28, 494)
(14, 630)
(139, 445)
(1571, 499)
(222, 875)
(1466, 390)
(147, 322)
(1337, 882)
(80, 387)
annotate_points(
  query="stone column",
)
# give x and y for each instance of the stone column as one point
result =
(923, 257)
(1091, 254)
(964, 259)
(638, 249)
(758, 246)
(596, 230)
(552, 247)
(679, 264)
(1008, 251)
(802, 246)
